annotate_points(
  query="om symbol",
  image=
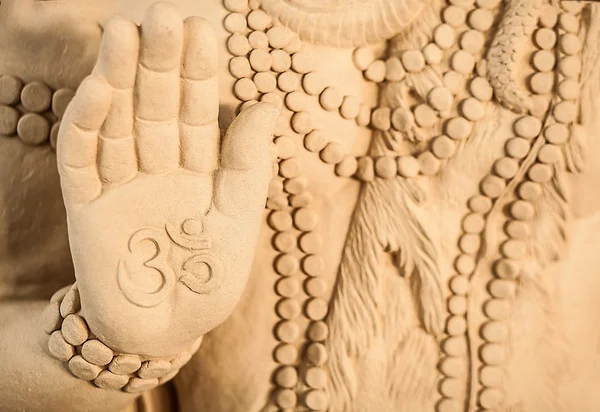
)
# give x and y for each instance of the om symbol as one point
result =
(201, 271)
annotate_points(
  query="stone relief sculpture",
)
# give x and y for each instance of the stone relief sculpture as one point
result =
(277, 205)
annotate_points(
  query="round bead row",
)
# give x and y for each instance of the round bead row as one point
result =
(89, 359)
(32, 111)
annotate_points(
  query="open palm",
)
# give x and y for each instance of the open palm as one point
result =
(163, 219)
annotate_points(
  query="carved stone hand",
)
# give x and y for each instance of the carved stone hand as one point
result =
(163, 219)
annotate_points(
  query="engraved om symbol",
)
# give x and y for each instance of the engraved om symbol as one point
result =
(137, 274)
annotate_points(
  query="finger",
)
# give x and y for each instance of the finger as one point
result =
(199, 130)
(157, 89)
(117, 62)
(241, 185)
(77, 144)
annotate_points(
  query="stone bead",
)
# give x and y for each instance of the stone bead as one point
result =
(286, 377)
(564, 112)
(545, 38)
(109, 380)
(386, 167)
(454, 81)
(432, 53)
(481, 19)
(239, 6)
(444, 36)
(364, 169)
(459, 128)
(440, 98)
(549, 153)
(317, 400)
(529, 191)
(488, 4)
(286, 354)
(544, 60)
(316, 377)
(570, 66)
(235, 23)
(376, 71)
(96, 352)
(318, 331)
(302, 62)
(490, 398)
(301, 200)
(294, 44)
(125, 364)
(448, 405)
(480, 204)
(315, 141)
(315, 287)
(278, 202)
(539, 105)
(473, 223)
(331, 98)
(443, 147)
(494, 331)
(492, 354)
(394, 71)
(497, 309)
(296, 101)
(506, 167)
(506, 269)
(452, 367)
(363, 57)
(288, 81)
(59, 347)
(245, 89)
(381, 118)
(549, 16)
(302, 122)
(51, 318)
(83, 369)
(74, 330)
(296, 185)
(429, 165)
(490, 376)
(9, 119)
(260, 60)
(313, 265)
(528, 127)
(542, 83)
(457, 305)
(454, 346)
(238, 45)
(540, 173)
(556, 133)
(288, 309)
(33, 129)
(284, 242)
(287, 331)
(513, 249)
(462, 61)
(425, 116)
(347, 167)
(454, 16)
(350, 107)
(450, 388)
(259, 20)
(316, 353)
(154, 368)
(285, 147)
(10, 89)
(517, 147)
(573, 7)
(60, 100)
(568, 22)
(501, 288)
(278, 36)
(259, 40)
(333, 153)
(286, 264)
(465, 264)
(287, 287)
(407, 166)
(481, 68)
(413, 61)
(280, 221)
(138, 385)
(492, 186)
(364, 115)
(311, 242)
(517, 230)
(36, 97)
(280, 61)
(265, 82)
(239, 67)
(481, 89)
(568, 89)
(459, 285)
(306, 219)
(469, 244)
(313, 83)
(472, 109)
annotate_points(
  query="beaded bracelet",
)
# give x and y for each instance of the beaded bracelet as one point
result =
(89, 359)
